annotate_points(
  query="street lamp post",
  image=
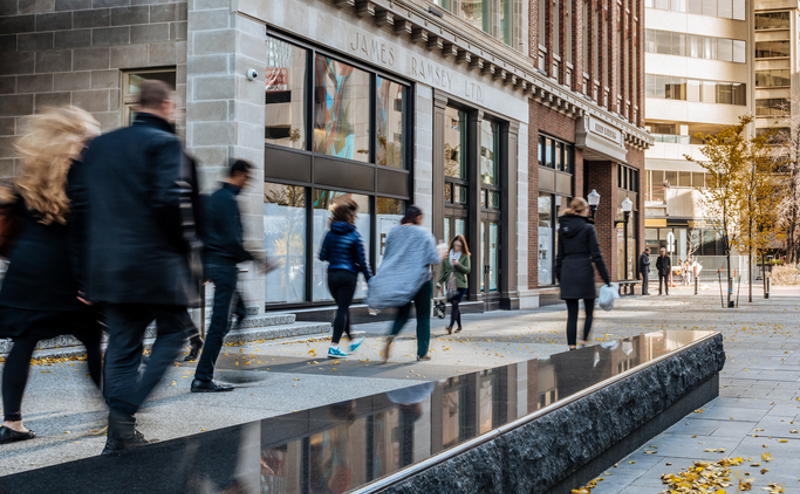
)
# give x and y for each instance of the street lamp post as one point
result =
(627, 207)
(594, 200)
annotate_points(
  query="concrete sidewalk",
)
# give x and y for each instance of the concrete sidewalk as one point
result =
(278, 377)
(758, 411)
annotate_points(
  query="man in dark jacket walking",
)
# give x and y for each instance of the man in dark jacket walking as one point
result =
(644, 268)
(664, 267)
(140, 221)
(223, 250)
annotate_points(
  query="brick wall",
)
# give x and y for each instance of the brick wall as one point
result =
(548, 121)
(58, 52)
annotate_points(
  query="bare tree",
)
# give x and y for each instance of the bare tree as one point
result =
(785, 142)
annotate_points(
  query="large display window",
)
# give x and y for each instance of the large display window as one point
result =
(335, 129)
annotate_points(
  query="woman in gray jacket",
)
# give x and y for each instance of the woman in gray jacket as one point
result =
(405, 277)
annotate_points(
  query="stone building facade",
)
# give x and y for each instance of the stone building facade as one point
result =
(470, 109)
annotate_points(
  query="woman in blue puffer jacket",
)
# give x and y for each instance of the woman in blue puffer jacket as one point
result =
(343, 248)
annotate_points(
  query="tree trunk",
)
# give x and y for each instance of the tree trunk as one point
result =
(750, 274)
(730, 277)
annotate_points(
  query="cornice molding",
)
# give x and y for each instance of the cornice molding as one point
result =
(501, 64)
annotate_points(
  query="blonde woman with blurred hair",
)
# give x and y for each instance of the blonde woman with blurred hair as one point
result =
(41, 296)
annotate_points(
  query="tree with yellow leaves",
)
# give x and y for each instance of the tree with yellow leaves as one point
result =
(727, 162)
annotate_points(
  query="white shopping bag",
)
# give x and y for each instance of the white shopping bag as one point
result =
(608, 294)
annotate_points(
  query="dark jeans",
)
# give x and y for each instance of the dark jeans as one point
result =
(572, 319)
(422, 303)
(342, 285)
(663, 279)
(645, 283)
(224, 278)
(455, 313)
(125, 389)
(18, 362)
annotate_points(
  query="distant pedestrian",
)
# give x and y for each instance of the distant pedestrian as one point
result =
(664, 268)
(140, 247)
(223, 250)
(687, 272)
(42, 293)
(578, 249)
(343, 248)
(455, 266)
(405, 277)
(644, 269)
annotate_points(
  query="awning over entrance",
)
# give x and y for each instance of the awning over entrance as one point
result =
(599, 140)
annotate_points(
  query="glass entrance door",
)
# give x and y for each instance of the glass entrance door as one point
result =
(490, 256)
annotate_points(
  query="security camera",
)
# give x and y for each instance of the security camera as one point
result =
(252, 75)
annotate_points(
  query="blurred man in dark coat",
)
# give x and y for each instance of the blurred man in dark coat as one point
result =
(140, 241)
(664, 267)
(223, 250)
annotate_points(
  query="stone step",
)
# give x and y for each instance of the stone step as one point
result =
(68, 346)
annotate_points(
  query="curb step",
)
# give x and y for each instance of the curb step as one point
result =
(67, 346)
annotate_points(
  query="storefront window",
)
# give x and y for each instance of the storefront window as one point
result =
(546, 232)
(626, 237)
(388, 213)
(285, 242)
(455, 137)
(341, 110)
(285, 94)
(490, 165)
(322, 203)
(455, 160)
(390, 123)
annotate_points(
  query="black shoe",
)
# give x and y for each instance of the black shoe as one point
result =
(459, 330)
(115, 446)
(212, 386)
(194, 351)
(122, 434)
(449, 329)
(11, 436)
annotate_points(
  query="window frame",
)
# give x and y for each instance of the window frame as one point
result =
(128, 100)
(309, 95)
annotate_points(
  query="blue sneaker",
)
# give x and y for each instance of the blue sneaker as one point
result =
(356, 343)
(334, 352)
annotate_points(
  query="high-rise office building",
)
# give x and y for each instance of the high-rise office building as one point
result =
(699, 78)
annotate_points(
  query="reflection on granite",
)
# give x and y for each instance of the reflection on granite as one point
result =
(342, 446)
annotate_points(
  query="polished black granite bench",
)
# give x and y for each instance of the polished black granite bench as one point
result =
(546, 425)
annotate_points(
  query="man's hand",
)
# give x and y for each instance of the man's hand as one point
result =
(268, 266)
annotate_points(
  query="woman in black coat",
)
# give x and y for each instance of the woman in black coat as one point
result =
(41, 296)
(577, 250)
